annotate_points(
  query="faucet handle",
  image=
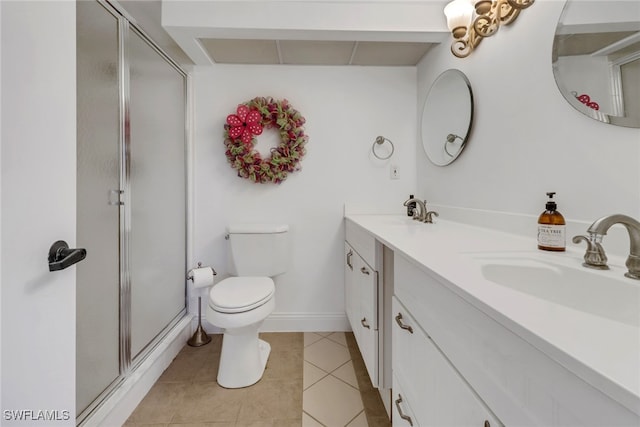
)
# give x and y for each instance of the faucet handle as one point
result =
(428, 217)
(595, 256)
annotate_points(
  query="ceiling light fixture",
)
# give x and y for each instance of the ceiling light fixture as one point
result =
(468, 31)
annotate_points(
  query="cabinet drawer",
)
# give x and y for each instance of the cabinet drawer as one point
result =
(427, 377)
(363, 242)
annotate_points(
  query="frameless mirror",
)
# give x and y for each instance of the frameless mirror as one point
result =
(446, 117)
(596, 59)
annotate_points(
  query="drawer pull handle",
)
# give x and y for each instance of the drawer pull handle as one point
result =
(364, 323)
(487, 423)
(402, 325)
(403, 416)
(364, 270)
(349, 263)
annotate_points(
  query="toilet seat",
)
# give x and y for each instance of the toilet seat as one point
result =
(240, 294)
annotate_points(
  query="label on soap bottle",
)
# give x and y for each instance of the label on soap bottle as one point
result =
(551, 236)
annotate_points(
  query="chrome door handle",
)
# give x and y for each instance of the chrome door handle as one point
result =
(363, 322)
(117, 194)
(402, 415)
(364, 270)
(349, 255)
(402, 325)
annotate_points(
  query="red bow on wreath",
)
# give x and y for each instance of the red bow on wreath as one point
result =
(244, 124)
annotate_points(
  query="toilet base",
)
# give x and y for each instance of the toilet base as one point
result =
(243, 358)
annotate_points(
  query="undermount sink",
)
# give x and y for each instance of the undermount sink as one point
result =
(598, 293)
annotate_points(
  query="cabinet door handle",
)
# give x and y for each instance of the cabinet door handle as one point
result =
(402, 415)
(349, 263)
(363, 322)
(487, 423)
(402, 325)
(364, 270)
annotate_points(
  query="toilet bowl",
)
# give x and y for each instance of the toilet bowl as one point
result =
(239, 305)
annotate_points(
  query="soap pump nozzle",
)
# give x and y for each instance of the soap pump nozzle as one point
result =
(551, 204)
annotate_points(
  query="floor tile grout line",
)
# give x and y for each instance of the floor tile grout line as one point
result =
(314, 418)
(340, 379)
(316, 382)
(333, 370)
(357, 415)
(315, 366)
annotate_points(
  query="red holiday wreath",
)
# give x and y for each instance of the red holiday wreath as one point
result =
(241, 129)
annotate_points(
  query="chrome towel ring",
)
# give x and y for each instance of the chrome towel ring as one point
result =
(379, 141)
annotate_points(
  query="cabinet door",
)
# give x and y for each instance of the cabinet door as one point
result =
(402, 414)
(368, 319)
(351, 294)
(434, 389)
(361, 305)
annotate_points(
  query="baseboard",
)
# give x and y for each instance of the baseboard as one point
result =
(292, 322)
(115, 410)
(306, 322)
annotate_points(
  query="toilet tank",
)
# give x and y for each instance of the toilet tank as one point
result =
(258, 249)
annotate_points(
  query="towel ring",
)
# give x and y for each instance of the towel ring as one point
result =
(450, 139)
(379, 141)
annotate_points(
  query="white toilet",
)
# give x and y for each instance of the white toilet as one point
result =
(239, 305)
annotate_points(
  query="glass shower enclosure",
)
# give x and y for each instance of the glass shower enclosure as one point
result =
(131, 198)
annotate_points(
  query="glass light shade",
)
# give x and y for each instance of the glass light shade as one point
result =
(458, 13)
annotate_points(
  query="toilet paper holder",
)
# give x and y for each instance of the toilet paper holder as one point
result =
(200, 337)
(190, 272)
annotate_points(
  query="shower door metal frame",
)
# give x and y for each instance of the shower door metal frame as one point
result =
(127, 363)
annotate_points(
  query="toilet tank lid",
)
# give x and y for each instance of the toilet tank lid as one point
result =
(257, 228)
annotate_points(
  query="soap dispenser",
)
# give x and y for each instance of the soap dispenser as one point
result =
(410, 206)
(551, 227)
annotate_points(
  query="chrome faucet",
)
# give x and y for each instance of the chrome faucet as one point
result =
(420, 209)
(595, 256)
(420, 212)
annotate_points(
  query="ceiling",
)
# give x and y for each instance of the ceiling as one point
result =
(224, 48)
(314, 52)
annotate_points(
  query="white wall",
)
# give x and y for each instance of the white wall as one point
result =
(38, 207)
(526, 139)
(345, 109)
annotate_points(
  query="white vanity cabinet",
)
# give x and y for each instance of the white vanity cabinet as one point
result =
(522, 385)
(427, 389)
(361, 290)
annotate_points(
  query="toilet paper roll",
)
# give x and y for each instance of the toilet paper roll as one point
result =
(202, 277)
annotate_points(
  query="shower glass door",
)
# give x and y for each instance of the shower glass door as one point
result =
(131, 200)
(157, 184)
(98, 211)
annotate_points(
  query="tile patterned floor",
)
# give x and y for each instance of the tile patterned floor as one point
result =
(312, 379)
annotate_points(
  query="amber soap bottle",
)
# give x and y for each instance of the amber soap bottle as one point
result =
(551, 227)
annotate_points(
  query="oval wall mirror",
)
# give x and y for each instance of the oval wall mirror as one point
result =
(446, 117)
(596, 59)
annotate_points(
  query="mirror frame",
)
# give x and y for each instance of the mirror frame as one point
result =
(438, 135)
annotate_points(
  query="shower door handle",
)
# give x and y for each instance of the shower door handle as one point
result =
(114, 198)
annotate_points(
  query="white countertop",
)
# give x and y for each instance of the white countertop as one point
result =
(602, 350)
